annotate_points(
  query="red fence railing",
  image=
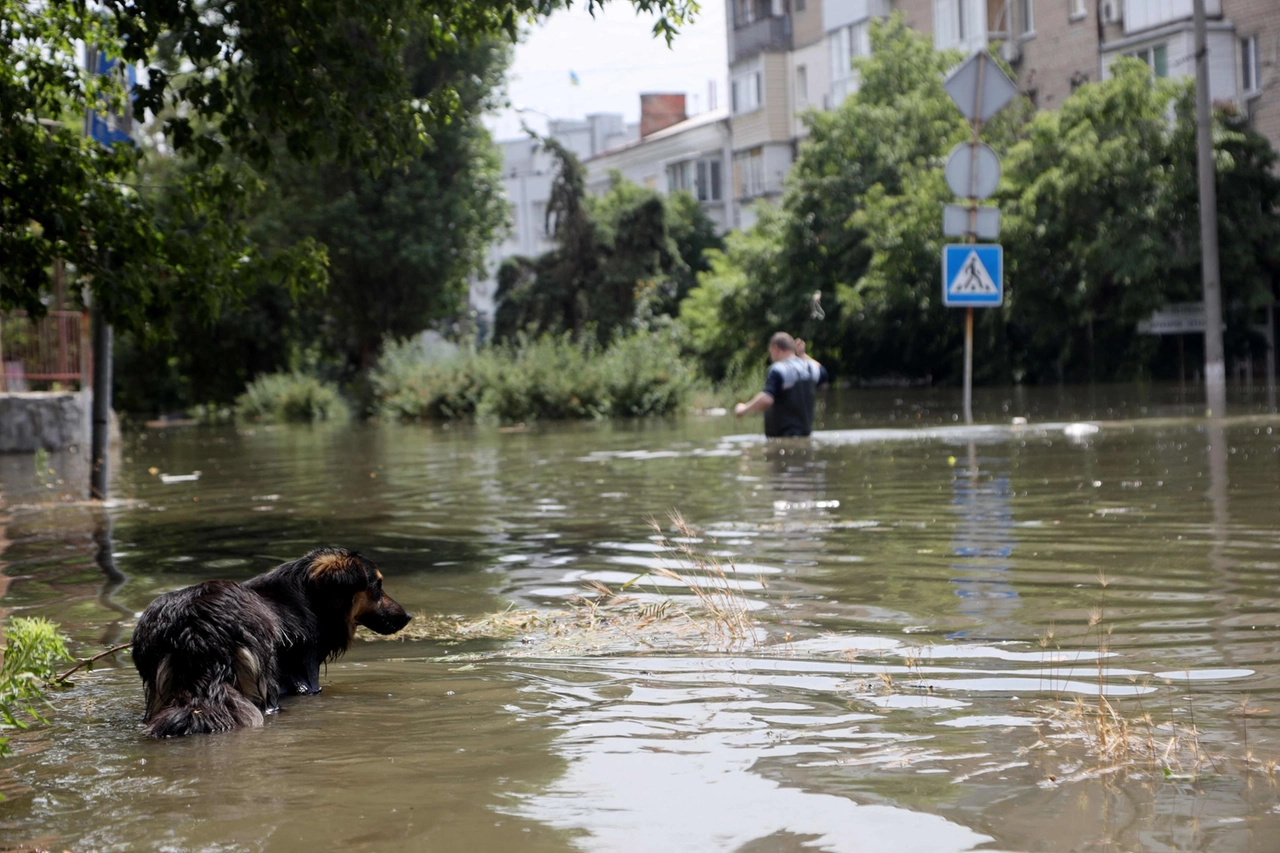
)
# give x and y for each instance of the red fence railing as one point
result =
(52, 350)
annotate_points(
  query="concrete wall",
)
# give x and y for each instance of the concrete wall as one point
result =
(50, 421)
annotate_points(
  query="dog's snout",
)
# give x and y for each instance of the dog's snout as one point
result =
(387, 618)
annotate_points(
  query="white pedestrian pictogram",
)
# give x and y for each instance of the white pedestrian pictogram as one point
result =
(973, 278)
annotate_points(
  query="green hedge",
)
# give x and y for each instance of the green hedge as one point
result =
(549, 377)
(291, 397)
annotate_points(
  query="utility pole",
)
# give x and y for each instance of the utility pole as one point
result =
(1215, 371)
(100, 443)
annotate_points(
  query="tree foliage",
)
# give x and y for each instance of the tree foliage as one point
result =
(400, 245)
(311, 81)
(622, 260)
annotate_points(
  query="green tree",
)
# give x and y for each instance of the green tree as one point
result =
(400, 246)
(255, 80)
(622, 260)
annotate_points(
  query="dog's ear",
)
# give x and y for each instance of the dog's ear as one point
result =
(336, 567)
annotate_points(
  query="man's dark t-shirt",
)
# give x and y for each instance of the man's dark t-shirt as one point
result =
(792, 383)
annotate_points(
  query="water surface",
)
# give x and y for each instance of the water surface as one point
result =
(924, 599)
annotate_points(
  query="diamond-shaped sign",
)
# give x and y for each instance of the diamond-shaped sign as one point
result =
(962, 85)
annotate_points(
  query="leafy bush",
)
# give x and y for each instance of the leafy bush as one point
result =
(408, 386)
(291, 397)
(32, 650)
(644, 375)
(553, 377)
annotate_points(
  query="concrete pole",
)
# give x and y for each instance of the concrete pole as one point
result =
(100, 438)
(1215, 372)
(1271, 358)
(99, 476)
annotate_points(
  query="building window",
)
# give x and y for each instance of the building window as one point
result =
(744, 13)
(802, 85)
(699, 177)
(748, 173)
(541, 229)
(744, 92)
(708, 181)
(1079, 10)
(677, 177)
(1155, 57)
(799, 5)
(1027, 13)
(951, 23)
(847, 44)
(1250, 67)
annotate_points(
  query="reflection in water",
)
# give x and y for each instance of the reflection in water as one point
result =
(113, 579)
(983, 542)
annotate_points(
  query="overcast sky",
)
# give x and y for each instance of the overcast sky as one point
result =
(615, 57)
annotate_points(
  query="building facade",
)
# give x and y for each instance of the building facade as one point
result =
(1054, 46)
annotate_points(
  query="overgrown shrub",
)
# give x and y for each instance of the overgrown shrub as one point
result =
(291, 397)
(408, 386)
(32, 650)
(645, 375)
(551, 377)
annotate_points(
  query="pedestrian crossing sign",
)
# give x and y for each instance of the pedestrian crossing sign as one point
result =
(973, 275)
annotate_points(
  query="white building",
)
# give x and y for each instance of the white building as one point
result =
(690, 155)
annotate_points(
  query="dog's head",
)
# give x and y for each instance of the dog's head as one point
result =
(353, 584)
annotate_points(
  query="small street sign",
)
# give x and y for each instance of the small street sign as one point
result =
(962, 85)
(972, 275)
(955, 222)
(973, 171)
(1180, 318)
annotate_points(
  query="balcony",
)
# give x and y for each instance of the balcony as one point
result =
(1142, 15)
(772, 33)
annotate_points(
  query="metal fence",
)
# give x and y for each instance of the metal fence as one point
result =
(53, 350)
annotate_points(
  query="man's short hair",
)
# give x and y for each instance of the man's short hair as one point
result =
(783, 341)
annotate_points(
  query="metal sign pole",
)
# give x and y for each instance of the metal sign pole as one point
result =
(976, 123)
(973, 277)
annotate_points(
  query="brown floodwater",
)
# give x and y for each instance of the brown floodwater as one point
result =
(923, 596)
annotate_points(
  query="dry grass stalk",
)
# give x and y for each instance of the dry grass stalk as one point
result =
(1173, 748)
(723, 604)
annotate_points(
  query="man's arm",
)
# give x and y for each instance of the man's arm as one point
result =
(758, 403)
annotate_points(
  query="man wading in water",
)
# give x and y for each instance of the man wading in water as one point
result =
(790, 389)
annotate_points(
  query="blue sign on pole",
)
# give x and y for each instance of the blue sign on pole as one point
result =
(112, 128)
(973, 275)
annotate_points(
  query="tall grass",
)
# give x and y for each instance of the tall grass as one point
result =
(551, 377)
(291, 397)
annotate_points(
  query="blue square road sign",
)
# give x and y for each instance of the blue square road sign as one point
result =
(973, 275)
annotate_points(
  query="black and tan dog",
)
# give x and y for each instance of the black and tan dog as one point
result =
(217, 656)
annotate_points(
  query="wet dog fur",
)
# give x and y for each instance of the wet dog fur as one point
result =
(217, 656)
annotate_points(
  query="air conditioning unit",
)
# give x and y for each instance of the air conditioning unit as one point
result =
(1011, 51)
(1110, 11)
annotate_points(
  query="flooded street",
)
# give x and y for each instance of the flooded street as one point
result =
(929, 604)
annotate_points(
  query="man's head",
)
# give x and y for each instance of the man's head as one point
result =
(781, 346)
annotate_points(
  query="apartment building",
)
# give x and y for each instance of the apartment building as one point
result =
(691, 154)
(789, 56)
(1055, 46)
